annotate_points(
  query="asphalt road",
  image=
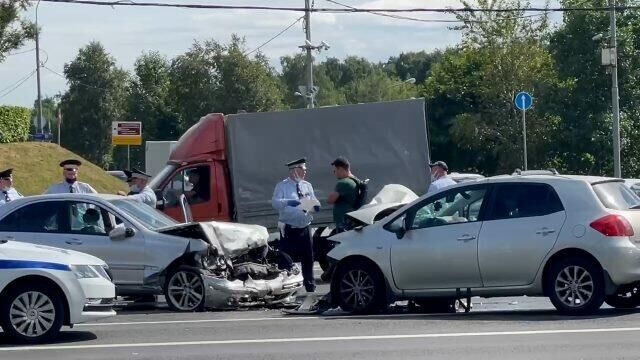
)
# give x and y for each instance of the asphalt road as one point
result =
(504, 328)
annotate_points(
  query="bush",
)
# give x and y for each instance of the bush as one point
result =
(14, 124)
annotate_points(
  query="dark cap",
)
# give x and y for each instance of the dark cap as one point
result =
(70, 162)
(128, 174)
(341, 162)
(135, 173)
(441, 164)
(6, 173)
(297, 163)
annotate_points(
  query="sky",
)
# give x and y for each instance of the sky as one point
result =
(128, 32)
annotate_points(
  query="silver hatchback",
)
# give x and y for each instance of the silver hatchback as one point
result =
(574, 239)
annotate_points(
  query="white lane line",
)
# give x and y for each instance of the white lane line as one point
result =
(319, 339)
(291, 318)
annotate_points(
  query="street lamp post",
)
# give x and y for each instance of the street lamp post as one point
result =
(40, 125)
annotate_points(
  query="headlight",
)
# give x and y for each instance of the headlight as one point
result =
(90, 272)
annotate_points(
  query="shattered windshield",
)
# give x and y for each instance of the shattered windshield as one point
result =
(149, 217)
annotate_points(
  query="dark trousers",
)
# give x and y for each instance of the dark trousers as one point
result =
(297, 243)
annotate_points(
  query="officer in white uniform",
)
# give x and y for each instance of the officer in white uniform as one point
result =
(139, 190)
(9, 193)
(70, 184)
(439, 177)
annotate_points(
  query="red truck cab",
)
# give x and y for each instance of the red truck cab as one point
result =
(198, 169)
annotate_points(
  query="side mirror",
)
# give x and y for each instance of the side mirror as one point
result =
(121, 233)
(160, 200)
(399, 228)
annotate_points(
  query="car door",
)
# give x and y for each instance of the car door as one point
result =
(40, 223)
(89, 228)
(521, 227)
(439, 247)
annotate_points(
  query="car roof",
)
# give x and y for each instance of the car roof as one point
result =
(63, 196)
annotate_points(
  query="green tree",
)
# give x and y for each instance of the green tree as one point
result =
(149, 103)
(587, 140)
(474, 123)
(416, 65)
(14, 31)
(378, 86)
(96, 97)
(294, 70)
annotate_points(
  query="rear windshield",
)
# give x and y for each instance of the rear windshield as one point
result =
(617, 196)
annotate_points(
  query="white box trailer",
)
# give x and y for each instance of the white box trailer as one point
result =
(156, 155)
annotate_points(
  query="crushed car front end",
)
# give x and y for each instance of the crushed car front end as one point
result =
(238, 268)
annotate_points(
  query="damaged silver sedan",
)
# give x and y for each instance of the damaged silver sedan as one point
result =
(194, 265)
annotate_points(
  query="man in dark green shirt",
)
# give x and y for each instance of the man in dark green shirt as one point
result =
(344, 196)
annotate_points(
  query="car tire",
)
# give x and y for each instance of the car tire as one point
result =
(359, 287)
(32, 313)
(575, 286)
(628, 300)
(184, 290)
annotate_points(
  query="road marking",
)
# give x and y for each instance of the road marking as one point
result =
(318, 339)
(290, 318)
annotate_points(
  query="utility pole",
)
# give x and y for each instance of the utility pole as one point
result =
(40, 126)
(307, 29)
(617, 170)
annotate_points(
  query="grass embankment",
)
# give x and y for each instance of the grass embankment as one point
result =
(36, 167)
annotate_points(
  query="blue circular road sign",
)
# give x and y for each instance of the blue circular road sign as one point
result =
(523, 101)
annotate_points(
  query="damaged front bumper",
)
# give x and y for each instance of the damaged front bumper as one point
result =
(222, 293)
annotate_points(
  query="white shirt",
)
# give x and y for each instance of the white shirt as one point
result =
(147, 196)
(64, 187)
(294, 216)
(441, 183)
(12, 194)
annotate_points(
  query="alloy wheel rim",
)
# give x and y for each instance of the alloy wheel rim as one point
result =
(32, 314)
(574, 286)
(186, 290)
(357, 289)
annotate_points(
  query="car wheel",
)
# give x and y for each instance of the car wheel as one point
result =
(184, 290)
(624, 300)
(32, 313)
(575, 286)
(358, 287)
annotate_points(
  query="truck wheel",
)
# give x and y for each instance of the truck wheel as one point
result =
(32, 313)
(575, 286)
(184, 290)
(358, 287)
(627, 300)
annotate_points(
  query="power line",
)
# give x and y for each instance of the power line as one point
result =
(75, 82)
(21, 52)
(401, 17)
(17, 85)
(276, 36)
(344, 10)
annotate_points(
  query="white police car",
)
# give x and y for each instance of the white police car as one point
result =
(43, 288)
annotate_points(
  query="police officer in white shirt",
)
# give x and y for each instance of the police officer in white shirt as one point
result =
(70, 184)
(9, 193)
(439, 177)
(140, 191)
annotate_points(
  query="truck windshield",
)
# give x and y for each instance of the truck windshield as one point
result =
(163, 174)
(149, 217)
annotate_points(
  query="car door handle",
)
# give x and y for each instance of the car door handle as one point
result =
(74, 242)
(466, 237)
(545, 231)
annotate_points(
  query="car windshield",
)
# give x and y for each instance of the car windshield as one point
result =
(616, 195)
(149, 217)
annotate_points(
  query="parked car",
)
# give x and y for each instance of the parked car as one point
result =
(44, 288)
(195, 265)
(634, 185)
(462, 177)
(574, 239)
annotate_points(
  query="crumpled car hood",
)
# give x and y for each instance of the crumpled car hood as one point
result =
(231, 239)
(389, 196)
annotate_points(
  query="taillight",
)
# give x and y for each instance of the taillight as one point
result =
(613, 225)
